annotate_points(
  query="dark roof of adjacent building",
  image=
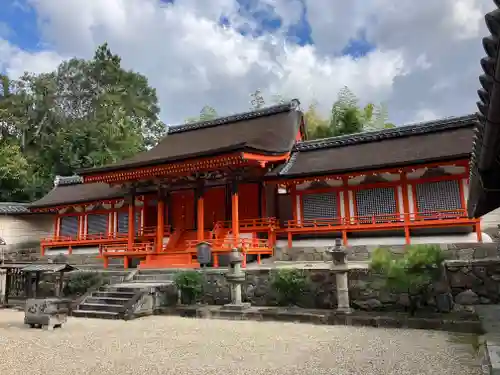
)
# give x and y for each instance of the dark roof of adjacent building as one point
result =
(71, 189)
(268, 131)
(48, 267)
(449, 138)
(484, 189)
(13, 208)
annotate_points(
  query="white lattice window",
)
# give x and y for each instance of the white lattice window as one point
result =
(97, 223)
(376, 204)
(69, 226)
(122, 222)
(317, 206)
(441, 197)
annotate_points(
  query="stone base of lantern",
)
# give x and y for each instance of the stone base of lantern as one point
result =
(344, 310)
(237, 306)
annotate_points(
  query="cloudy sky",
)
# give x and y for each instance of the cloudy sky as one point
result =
(420, 57)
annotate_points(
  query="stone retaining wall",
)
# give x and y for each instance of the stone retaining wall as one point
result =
(359, 253)
(465, 283)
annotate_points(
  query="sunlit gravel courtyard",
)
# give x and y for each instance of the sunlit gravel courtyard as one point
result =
(172, 345)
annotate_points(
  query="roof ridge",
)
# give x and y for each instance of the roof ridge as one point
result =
(67, 180)
(270, 110)
(378, 135)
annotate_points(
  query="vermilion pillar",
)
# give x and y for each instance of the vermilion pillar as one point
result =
(160, 222)
(131, 222)
(200, 225)
(235, 215)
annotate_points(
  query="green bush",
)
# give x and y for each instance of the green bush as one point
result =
(80, 283)
(413, 273)
(290, 285)
(190, 284)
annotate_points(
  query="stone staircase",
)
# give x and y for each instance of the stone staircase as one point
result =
(108, 302)
(115, 301)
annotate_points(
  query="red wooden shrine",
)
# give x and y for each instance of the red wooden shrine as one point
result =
(252, 179)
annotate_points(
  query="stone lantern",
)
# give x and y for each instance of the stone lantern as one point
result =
(341, 270)
(3, 273)
(235, 277)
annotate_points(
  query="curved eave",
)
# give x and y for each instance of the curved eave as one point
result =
(484, 193)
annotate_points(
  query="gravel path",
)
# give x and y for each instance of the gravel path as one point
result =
(172, 345)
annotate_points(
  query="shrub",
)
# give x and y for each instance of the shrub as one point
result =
(80, 283)
(290, 285)
(190, 284)
(419, 267)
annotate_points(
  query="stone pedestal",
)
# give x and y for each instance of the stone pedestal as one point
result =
(3, 286)
(343, 304)
(235, 277)
(341, 270)
(48, 313)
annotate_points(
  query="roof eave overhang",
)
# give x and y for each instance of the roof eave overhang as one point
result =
(484, 194)
(316, 174)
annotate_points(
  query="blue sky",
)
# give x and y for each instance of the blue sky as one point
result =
(18, 24)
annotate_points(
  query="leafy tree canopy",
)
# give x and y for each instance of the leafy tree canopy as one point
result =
(87, 113)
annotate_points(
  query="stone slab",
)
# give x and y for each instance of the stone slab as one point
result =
(441, 322)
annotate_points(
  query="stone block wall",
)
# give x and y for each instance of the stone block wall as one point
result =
(362, 253)
(465, 282)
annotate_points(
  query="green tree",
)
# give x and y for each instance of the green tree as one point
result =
(413, 273)
(347, 117)
(87, 113)
(14, 173)
(257, 100)
(207, 113)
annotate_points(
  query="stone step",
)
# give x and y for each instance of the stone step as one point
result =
(107, 300)
(155, 277)
(95, 314)
(85, 306)
(156, 271)
(121, 289)
(113, 294)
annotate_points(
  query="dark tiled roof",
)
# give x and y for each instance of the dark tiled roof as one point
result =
(416, 143)
(270, 131)
(48, 267)
(484, 191)
(66, 193)
(13, 208)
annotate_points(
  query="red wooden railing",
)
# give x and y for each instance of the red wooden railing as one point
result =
(379, 220)
(258, 223)
(226, 244)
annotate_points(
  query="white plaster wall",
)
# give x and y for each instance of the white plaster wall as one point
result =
(379, 241)
(19, 229)
(491, 220)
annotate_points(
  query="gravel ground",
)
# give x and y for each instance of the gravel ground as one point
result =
(181, 346)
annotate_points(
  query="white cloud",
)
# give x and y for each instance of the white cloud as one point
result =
(15, 61)
(426, 62)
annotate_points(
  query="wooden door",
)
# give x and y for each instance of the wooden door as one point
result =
(248, 201)
(182, 206)
(214, 206)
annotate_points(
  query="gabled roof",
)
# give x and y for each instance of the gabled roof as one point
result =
(416, 143)
(267, 131)
(71, 189)
(484, 187)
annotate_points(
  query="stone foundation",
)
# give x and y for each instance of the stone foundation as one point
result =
(464, 251)
(465, 283)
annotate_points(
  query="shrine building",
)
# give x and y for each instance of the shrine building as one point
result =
(254, 181)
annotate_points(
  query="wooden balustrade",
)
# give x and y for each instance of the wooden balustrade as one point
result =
(258, 223)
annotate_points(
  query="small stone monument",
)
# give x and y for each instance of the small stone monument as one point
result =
(48, 313)
(341, 269)
(235, 277)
